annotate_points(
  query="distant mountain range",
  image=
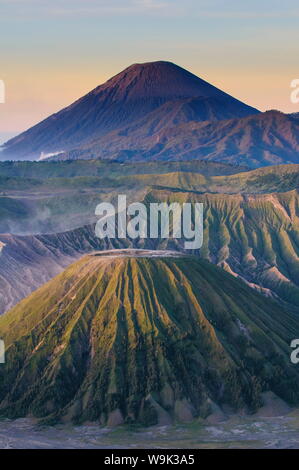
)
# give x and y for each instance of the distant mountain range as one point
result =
(269, 138)
(148, 338)
(133, 116)
(159, 111)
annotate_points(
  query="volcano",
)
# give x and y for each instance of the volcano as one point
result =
(177, 95)
(125, 336)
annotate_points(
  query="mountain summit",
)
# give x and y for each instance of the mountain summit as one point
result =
(158, 80)
(160, 111)
(131, 95)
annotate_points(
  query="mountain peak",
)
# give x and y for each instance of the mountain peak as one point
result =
(152, 65)
(157, 66)
(129, 96)
(159, 79)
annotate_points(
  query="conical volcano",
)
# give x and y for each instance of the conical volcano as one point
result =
(129, 96)
(131, 337)
(156, 80)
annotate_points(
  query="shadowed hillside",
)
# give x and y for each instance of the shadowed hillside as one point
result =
(270, 138)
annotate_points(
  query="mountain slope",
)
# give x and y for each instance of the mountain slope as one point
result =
(278, 178)
(269, 138)
(28, 262)
(253, 236)
(125, 98)
(132, 338)
(76, 168)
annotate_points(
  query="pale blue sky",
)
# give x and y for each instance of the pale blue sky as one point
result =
(52, 52)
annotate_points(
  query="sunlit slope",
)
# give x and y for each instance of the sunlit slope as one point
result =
(200, 178)
(141, 339)
(278, 178)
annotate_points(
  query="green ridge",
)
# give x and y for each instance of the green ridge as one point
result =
(144, 340)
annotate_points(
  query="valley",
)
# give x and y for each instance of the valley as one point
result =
(249, 230)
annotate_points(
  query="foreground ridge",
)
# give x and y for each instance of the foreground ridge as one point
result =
(127, 337)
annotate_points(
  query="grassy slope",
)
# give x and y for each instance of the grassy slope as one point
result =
(271, 179)
(55, 204)
(144, 338)
(76, 168)
(254, 237)
(277, 178)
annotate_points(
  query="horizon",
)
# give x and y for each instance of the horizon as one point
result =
(245, 50)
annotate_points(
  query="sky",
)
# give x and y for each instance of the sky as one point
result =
(54, 51)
